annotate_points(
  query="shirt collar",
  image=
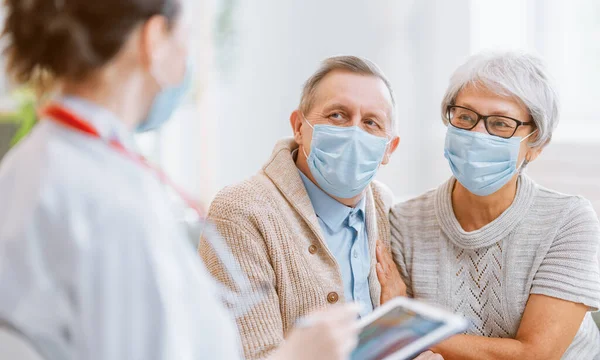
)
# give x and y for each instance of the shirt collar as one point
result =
(106, 122)
(330, 211)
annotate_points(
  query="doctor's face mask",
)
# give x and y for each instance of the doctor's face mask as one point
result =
(172, 69)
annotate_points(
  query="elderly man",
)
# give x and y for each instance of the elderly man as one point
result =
(305, 228)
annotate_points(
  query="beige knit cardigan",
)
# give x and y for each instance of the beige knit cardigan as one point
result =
(269, 223)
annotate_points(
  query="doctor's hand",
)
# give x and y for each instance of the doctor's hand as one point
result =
(391, 282)
(428, 355)
(331, 334)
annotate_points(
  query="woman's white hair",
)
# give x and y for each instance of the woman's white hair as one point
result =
(518, 75)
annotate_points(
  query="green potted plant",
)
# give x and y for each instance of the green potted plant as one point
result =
(17, 118)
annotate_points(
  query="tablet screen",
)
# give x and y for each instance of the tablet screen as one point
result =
(391, 332)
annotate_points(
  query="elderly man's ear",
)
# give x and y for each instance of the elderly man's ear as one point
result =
(296, 120)
(392, 146)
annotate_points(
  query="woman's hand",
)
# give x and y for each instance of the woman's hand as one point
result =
(389, 277)
(331, 334)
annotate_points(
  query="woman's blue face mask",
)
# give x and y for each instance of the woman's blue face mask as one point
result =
(482, 163)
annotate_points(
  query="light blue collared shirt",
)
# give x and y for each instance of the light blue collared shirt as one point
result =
(346, 237)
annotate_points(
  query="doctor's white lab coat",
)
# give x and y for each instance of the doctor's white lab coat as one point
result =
(93, 264)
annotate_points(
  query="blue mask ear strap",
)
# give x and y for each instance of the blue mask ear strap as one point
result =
(304, 151)
(520, 167)
(308, 122)
(312, 127)
(533, 132)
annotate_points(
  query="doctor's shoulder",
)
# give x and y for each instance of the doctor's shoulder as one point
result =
(67, 192)
(80, 173)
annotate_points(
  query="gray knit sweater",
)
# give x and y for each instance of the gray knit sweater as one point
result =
(544, 243)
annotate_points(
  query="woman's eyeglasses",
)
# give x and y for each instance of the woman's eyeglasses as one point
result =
(496, 125)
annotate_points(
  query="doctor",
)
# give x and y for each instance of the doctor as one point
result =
(92, 262)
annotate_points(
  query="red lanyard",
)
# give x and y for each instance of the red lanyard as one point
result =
(66, 118)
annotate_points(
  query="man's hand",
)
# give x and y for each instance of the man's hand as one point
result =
(389, 277)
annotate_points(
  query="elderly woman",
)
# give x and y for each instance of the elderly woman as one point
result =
(518, 260)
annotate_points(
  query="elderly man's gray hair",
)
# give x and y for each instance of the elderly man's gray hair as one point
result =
(353, 64)
(519, 75)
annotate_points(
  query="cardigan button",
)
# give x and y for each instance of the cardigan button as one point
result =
(332, 297)
(312, 249)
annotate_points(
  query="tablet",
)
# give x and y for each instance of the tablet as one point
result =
(402, 328)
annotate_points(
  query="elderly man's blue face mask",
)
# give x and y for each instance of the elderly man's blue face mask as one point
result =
(344, 160)
(482, 163)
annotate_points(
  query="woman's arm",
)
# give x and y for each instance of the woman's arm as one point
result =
(546, 331)
(547, 328)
